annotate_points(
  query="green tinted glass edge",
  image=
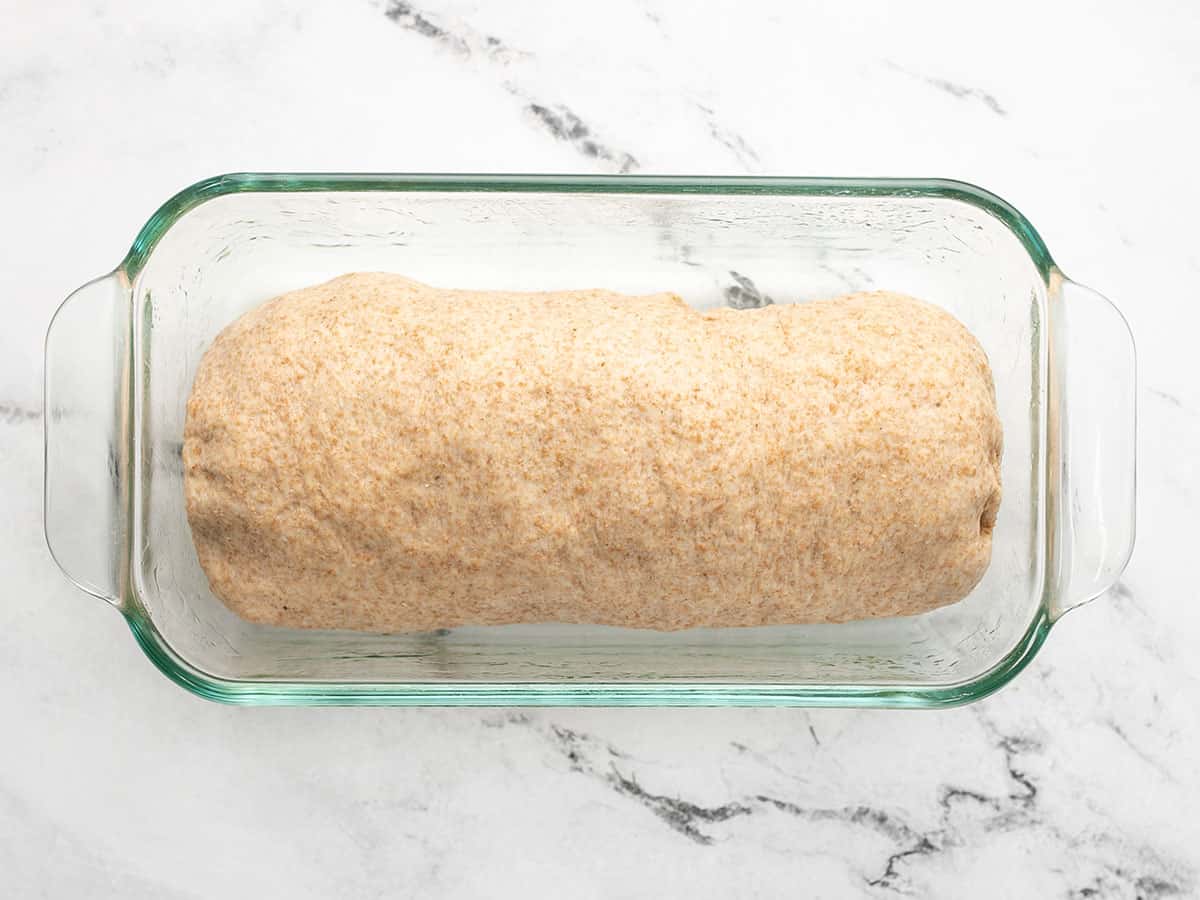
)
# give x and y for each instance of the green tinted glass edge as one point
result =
(243, 182)
(286, 693)
(590, 694)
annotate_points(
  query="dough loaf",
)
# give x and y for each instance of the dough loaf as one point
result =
(373, 453)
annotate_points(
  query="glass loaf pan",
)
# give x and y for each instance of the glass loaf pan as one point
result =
(122, 350)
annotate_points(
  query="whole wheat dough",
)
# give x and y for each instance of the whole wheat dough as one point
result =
(376, 454)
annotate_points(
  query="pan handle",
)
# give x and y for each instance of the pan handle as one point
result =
(1093, 417)
(87, 410)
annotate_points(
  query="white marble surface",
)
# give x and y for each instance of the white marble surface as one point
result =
(1082, 779)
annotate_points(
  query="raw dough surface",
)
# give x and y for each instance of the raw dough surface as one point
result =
(372, 453)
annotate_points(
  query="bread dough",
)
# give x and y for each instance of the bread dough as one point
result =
(372, 453)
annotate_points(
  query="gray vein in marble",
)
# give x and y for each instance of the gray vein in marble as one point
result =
(1117, 883)
(1170, 398)
(881, 821)
(566, 126)
(1153, 874)
(1115, 727)
(729, 139)
(651, 16)
(503, 721)
(558, 119)
(404, 15)
(681, 815)
(852, 278)
(961, 91)
(14, 414)
(687, 817)
(911, 843)
(457, 37)
(952, 795)
(955, 89)
(1122, 594)
(1019, 809)
(744, 294)
(1147, 631)
(171, 457)
(571, 743)
(923, 847)
(685, 256)
(1012, 747)
(765, 761)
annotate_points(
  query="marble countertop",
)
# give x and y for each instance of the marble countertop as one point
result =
(1079, 780)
